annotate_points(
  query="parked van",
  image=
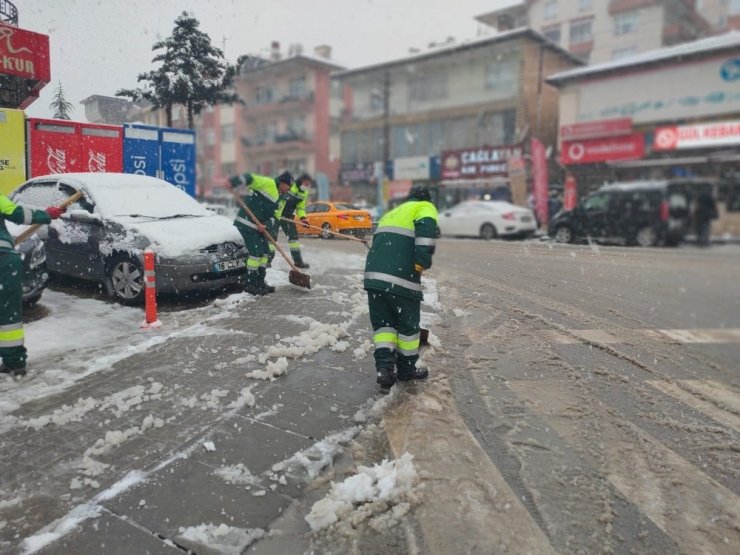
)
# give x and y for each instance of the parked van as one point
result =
(645, 213)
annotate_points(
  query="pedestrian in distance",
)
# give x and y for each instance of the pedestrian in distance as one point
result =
(262, 199)
(402, 249)
(705, 210)
(12, 350)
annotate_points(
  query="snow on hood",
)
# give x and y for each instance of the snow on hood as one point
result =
(175, 237)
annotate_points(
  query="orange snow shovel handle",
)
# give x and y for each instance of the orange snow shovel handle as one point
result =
(32, 228)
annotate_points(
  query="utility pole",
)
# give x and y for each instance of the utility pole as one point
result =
(382, 174)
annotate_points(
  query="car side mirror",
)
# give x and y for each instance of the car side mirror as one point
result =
(85, 217)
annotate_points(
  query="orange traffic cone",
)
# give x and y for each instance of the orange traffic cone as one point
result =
(150, 293)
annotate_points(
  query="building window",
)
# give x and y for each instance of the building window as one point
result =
(585, 5)
(297, 126)
(502, 75)
(227, 134)
(552, 33)
(297, 87)
(625, 52)
(376, 98)
(625, 23)
(734, 8)
(265, 132)
(210, 136)
(228, 169)
(336, 88)
(428, 86)
(580, 31)
(264, 95)
(551, 9)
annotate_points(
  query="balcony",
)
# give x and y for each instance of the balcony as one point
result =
(295, 102)
(619, 6)
(281, 141)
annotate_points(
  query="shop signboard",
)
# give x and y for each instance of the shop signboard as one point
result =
(25, 55)
(12, 149)
(359, 172)
(477, 163)
(627, 147)
(596, 129)
(715, 134)
(416, 167)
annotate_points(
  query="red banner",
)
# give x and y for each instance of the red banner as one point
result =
(571, 192)
(629, 147)
(540, 178)
(595, 129)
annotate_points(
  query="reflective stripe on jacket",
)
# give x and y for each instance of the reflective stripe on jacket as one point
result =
(262, 200)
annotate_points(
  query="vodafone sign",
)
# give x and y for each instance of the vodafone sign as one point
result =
(721, 133)
(627, 147)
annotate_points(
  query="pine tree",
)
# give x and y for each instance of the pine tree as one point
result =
(59, 104)
(192, 73)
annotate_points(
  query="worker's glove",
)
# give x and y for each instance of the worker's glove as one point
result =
(304, 221)
(55, 211)
(236, 181)
(261, 227)
(419, 268)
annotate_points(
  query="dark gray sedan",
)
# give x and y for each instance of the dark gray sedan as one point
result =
(103, 236)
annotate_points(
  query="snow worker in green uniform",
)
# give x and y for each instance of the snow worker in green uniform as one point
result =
(262, 199)
(12, 351)
(402, 249)
(295, 205)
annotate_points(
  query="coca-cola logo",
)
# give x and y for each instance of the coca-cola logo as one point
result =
(95, 161)
(56, 160)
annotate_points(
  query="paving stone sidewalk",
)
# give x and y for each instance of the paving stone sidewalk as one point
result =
(153, 415)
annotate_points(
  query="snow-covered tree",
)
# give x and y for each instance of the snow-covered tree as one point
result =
(59, 104)
(192, 73)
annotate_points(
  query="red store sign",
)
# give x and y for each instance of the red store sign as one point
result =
(476, 163)
(629, 147)
(24, 54)
(721, 133)
(595, 129)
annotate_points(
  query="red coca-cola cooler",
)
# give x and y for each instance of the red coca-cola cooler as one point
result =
(61, 146)
(53, 146)
(101, 148)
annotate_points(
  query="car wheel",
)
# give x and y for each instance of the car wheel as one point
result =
(125, 279)
(646, 237)
(325, 229)
(488, 232)
(564, 234)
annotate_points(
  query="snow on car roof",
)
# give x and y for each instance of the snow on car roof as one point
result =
(118, 194)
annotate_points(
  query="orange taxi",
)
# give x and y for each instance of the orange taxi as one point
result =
(325, 216)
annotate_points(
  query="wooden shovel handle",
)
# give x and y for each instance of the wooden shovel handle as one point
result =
(342, 235)
(33, 227)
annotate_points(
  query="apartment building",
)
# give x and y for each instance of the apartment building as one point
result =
(604, 30)
(290, 117)
(474, 100)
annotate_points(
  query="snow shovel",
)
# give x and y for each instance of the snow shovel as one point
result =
(342, 235)
(295, 276)
(32, 228)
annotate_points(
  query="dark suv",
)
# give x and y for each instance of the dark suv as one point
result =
(645, 213)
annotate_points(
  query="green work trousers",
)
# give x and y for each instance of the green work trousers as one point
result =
(12, 351)
(396, 332)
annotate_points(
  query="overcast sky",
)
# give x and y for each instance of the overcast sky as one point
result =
(100, 46)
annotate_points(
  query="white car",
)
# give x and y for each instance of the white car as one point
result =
(487, 219)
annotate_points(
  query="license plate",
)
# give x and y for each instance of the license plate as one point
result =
(228, 265)
(526, 218)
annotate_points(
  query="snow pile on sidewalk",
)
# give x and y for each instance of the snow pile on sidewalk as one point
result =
(318, 456)
(221, 538)
(383, 494)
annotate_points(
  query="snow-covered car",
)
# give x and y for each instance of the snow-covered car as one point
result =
(102, 237)
(33, 255)
(487, 219)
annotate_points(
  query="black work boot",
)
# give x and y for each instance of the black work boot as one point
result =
(298, 261)
(263, 283)
(386, 378)
(12, 371)
(254, 287)
(415, 374)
